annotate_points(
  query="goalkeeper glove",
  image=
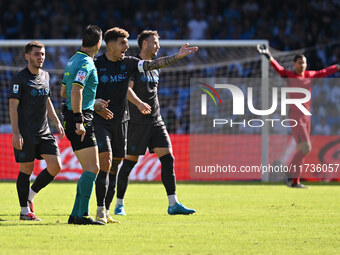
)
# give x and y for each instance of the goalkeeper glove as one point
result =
(263, 50)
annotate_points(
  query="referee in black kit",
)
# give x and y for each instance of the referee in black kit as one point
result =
(29, 106)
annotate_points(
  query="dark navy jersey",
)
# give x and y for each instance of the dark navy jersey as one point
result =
(114, 83)
(33, 91)
(146, 88)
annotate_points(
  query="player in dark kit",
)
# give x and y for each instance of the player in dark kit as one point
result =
(79, 88)
(29, 106)
(147, 130)
(299, 78)
(114, 71)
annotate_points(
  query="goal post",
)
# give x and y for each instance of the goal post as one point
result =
(218, 58)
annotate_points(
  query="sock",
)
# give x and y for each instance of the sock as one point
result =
(123, 178)
(110, 191)
(120, 201)
(172, 200)
(25, 210)
(42, 180)
(295, 164)
(75, 209)
(23, 186)
(31, 195)
(168, 174)
(86, 183)
(101, 187)
(100, 208)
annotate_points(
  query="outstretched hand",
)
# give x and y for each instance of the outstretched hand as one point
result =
(185, 51)
(263, 50)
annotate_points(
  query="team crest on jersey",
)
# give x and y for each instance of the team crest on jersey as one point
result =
(104, 78)
(122, 67)
(15, 88)
(81, 76)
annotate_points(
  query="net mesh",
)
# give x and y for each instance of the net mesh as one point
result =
(174, 92)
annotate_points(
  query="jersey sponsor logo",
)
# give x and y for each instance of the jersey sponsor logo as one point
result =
(69, 63)
(102, 69)
(81, 76)
(150, 77)
(40, 92)
(15, 88)
(118, 77)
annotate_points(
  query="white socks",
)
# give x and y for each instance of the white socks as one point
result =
(172, 200)
(25, 210)
(31, 195)
(119, 202)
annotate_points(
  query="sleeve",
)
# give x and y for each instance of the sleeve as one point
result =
(48, 82)
(324, 72)
(136, 64)
(82, 74)
(278, 68)
(63, 83)
(16, 88)
(133, 76)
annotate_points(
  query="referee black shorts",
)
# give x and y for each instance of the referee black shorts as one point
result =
(111, 136)
(34, 147)
(70, 128)
(143, 136)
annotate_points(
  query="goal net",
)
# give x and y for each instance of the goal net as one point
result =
(214, 60)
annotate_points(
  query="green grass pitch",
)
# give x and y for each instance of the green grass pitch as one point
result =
(236, 218)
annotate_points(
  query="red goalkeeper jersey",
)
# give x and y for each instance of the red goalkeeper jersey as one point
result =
(301, 81)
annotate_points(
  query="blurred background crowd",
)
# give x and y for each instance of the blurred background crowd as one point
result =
(288, 25)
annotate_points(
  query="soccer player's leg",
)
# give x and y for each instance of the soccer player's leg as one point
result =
(301, 135)
(104, 138)
(87, 154)
(50, 154)
(88, 158)
(161, 145)
(118, 143)
(111, 189)
(26, 158)
(23, 184)
(138, 139)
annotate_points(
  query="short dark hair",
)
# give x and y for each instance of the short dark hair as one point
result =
(113, 34)
(91, 36)
(145, 34)
(29, 46)
(298, 56)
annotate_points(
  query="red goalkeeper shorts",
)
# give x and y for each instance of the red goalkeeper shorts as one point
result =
(301, 132)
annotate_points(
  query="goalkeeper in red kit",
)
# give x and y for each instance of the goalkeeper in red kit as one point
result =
(299, 78)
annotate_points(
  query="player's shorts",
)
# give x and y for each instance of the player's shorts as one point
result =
(33, 148)
(143, 136)
(301, 132)
(70, 127)
(111, 136)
